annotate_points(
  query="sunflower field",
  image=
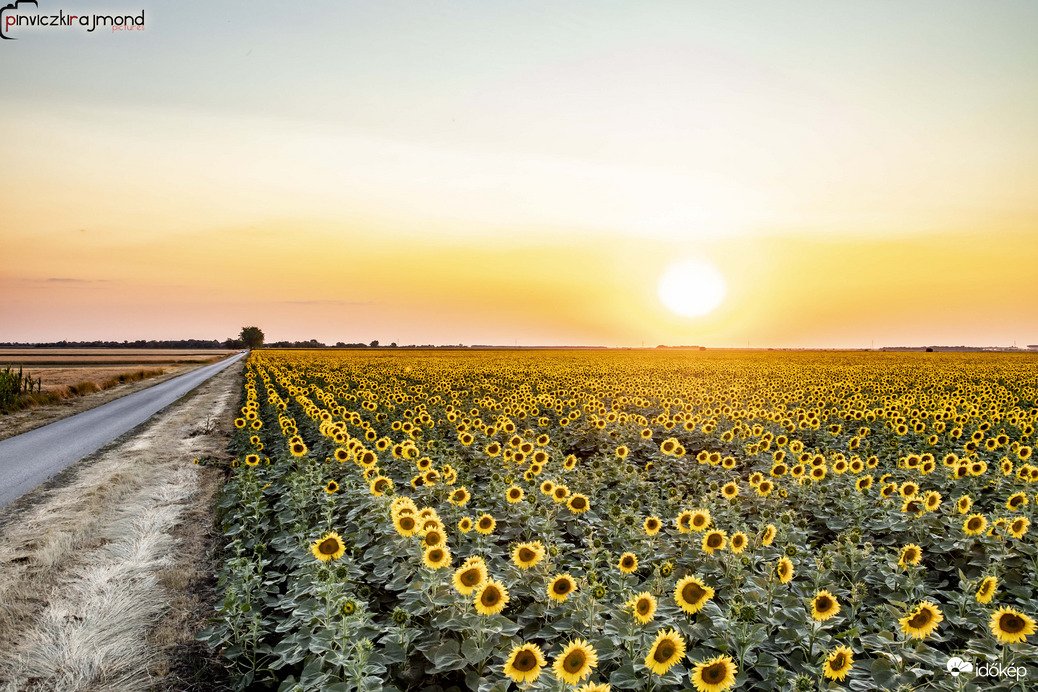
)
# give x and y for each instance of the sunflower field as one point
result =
(631, 520)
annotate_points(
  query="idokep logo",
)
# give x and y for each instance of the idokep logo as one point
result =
(958, 666)
(25, 14)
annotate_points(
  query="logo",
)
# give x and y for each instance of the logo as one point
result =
(956, 665)
(13, 17)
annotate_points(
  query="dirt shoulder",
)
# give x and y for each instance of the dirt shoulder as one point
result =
(106, 571)
(23, 421)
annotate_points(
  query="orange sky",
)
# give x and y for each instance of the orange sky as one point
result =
(365, 176)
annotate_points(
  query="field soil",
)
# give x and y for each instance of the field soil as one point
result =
(106, 571)
(18, 422)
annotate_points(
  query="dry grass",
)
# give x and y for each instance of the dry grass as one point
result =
(58, 378)
(94, 573)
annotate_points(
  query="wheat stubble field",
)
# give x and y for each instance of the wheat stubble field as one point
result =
(70, 381)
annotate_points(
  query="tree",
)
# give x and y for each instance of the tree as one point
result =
(374, 344)
(252, 337)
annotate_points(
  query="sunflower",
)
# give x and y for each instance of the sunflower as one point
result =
(486, 524)
(491, 597)
(252, 460)
(692, 594)
(405, 525)
(738, 542)
(932, 500)
(575, 662)
(730, 490)
(824, 606)
(297, 449)
(465, 524)
(922, 621)
(628, 563)
(975, 525)
(769, 534)
(560, 587)
(526, 555)
(784, 570)
(460, 497)
(547, 487)
(714, 675)
(839, 663)
(434, 537)
(470, 576)
(437, 557)
(380, 485)
(1011, 626)
(684, 522)
(328, 547)
(560, 493)
(1016, 501)
(524, 663)
(514, 494)
(1018, 527)
(714, 540)
(666, 651)
(652, 525)
(643, 606)
(964, 503)
(987, 588)
(578, 503)
(700, 520)
(911, 554)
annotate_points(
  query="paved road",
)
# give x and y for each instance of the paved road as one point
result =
(29, 459)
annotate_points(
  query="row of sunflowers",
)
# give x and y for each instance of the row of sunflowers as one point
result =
(630, 520)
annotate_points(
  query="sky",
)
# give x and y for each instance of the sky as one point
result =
(523, 172)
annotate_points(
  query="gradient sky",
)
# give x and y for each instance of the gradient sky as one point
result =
(477, 172)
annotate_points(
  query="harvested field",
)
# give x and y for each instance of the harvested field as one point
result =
(80, 357)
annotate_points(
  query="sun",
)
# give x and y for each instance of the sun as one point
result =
(691, 288)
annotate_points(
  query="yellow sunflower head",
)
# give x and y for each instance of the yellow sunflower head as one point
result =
(986, 590)
(922, 621)
(560, 587)
(667, 650)
(643, 607)
(824, 606)
(714, 540)
(575, 662)
(470, 576)
(1011, 626)
(525, 662)
(714, 675)
(491, 598)
(691, 594)
(328, 547)
(526, 555)
(838, 663)
(784, 570)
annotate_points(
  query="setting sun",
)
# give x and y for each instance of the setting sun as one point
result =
(691, 288)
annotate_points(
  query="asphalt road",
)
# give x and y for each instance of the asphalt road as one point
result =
(29, 459)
